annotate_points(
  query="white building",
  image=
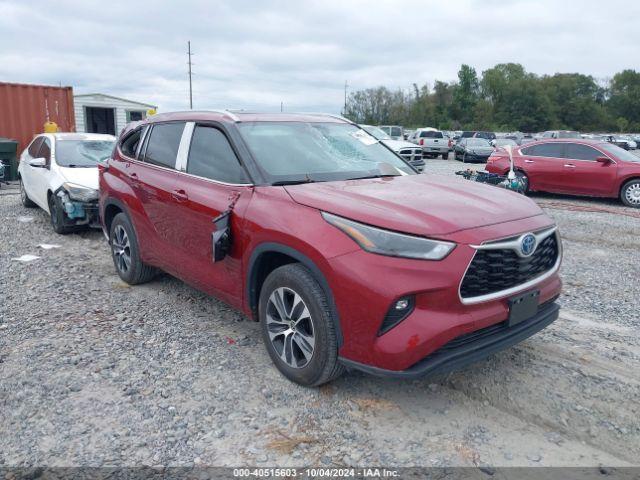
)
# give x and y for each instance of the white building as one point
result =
(100, 113)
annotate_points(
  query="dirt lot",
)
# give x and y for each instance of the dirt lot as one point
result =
(94, 372)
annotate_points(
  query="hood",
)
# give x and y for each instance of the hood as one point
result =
(418, 204)
(480, 149)
(396, 145)
(85, 177)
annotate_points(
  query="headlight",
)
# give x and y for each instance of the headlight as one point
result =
(385, 242)
(80, 193)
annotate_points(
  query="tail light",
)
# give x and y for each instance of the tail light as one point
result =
(422, 141)
(450, 143)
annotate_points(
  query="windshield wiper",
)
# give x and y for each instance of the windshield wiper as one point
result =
(380, 175)
(306, 179)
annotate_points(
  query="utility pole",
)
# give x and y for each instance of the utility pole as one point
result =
(281, 106)
(190, 85)
(346, 85)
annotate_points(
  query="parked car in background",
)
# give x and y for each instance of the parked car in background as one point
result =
(433, 142)
(630, 142)
(343, 253)
(477, 134)
(560, 134)
(407, 150)
(575, 166)
(617, 140)
(58, 172)
(472, 150)
(502, 142)
(396, 132)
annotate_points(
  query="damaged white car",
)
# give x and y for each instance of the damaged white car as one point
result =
(58, 172)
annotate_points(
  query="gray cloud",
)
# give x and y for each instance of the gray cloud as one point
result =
(251, 54)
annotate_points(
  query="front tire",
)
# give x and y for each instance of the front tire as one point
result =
(630, 193)
(126, 252)
(24, 198)
(297, 326)
(56, 214)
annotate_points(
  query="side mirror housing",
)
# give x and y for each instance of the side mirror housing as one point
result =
(603, 160)
(38, 162)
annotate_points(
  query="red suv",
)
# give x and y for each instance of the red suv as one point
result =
(576, 167)
(344, 253)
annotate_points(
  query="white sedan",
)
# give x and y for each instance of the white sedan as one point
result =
(58, 172)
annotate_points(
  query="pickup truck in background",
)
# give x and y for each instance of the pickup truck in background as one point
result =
(433, 142)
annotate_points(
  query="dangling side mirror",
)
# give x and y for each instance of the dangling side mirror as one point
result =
(221, 237)
(603, 160)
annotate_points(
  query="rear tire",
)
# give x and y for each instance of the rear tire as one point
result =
(24, 198)
(126, 252)
(445, 156)
(630, 193)
(298, 326)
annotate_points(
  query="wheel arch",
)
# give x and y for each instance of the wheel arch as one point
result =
(265, 258)
(624, 182)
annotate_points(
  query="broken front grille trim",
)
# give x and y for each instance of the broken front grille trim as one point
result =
(497, 244)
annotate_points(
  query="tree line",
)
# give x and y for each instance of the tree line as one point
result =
(506, 98)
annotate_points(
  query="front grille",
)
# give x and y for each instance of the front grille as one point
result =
(492, 271)
(411, 154)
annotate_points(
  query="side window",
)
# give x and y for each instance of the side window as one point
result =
(211, 157)
(129, 145)
(555, 150)
(582, 152)
(45, 151)
(162, 147)
(34, 147)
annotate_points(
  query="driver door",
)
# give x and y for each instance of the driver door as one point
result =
(41, 175)
(27, 172)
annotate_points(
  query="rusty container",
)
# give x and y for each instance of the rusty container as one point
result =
(24, 110)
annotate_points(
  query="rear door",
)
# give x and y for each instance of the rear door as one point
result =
(544, 165)
(211, 180)
(153, 179)
(583, 175)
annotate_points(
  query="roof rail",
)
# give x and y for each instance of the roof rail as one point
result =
(233, 116)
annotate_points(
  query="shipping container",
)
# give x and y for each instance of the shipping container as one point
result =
(24, 109)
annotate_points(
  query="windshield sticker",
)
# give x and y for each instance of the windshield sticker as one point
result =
(364, 137)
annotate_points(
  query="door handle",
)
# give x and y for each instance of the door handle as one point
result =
(569, 165)
(180, 195)
(528, 161)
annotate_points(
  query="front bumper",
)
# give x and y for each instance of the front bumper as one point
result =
(365, 285)
(469, 348)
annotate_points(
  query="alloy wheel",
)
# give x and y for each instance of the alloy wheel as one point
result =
(121, 248)
(632, 193)
(290, 327)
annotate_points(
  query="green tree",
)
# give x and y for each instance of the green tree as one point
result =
(465, 95)
(624, 96)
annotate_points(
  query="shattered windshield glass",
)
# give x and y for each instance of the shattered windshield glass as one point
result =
(317, 151)
(82, 153)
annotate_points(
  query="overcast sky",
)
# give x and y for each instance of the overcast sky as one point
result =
(255, 54)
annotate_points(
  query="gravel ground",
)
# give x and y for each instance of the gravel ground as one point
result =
(94, 372)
